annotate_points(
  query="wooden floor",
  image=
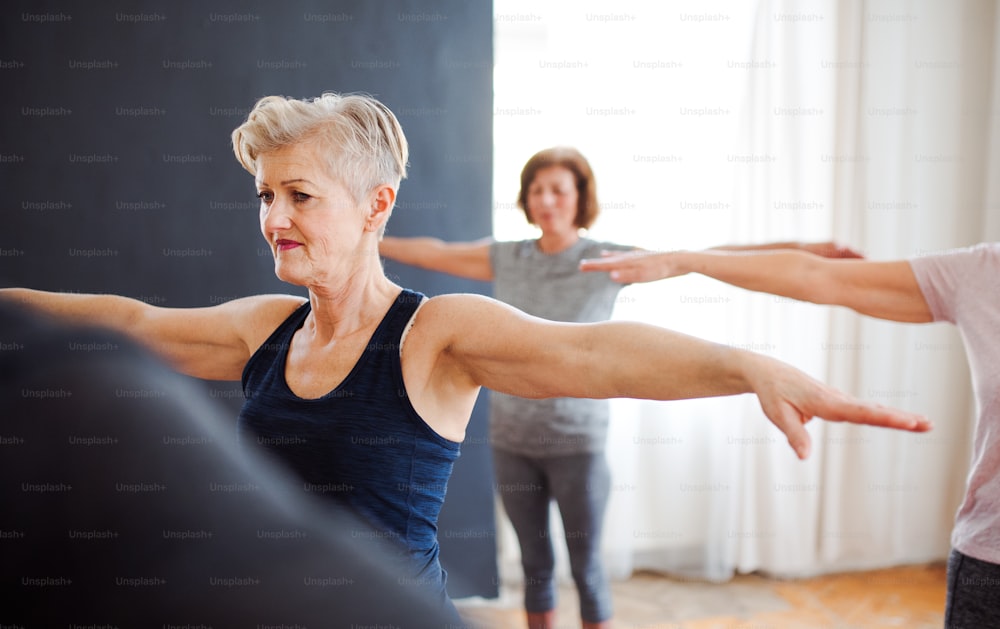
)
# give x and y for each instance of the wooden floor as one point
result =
(909, 597)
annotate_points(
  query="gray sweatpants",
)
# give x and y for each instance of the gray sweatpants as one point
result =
(580, 484)
(973, 593)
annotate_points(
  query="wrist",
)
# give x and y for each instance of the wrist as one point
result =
(757, 373)
(702, 262)
(746, 366)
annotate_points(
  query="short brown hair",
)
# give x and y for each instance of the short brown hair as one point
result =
(574, 161)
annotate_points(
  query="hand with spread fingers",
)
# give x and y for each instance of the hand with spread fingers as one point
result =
(790, 399)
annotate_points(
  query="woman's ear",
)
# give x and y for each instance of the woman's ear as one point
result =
(382, 200)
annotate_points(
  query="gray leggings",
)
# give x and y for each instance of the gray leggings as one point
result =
(973, 593)
(580, 485)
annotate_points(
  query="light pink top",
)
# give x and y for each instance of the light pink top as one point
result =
(962, 286)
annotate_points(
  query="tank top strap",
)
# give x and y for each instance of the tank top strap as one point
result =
(267, 362)
(268, 352)
(397, 319)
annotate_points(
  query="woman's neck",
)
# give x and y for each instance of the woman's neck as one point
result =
(352, 306)
(557, 243)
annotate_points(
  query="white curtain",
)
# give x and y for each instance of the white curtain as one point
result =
(876, 124)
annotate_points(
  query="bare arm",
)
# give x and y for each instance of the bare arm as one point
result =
(470, 260)
(213, 343)
(826, 249)
(496, 346)
(886, 290)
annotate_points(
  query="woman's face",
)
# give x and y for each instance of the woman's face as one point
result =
(313, 225)
(553, 200)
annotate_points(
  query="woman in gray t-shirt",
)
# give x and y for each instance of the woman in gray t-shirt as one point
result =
(550, 449)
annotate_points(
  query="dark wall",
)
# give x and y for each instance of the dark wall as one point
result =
(115, 156)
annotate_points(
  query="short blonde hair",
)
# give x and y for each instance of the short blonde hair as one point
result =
(361, 138)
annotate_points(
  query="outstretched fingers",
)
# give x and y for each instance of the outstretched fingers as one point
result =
(841, 408)
(793, 423)
(627, 268)
(803, 400)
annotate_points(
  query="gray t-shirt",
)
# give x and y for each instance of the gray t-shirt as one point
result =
(554, 288)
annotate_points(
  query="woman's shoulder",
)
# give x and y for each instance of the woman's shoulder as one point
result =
(266, 305)
(258, 316)
(512, 246)
(980, 256)
(593, 248)
(989, 250)
(453, 312)
(442, 305)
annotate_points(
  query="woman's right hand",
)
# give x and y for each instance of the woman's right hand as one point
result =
(636, 266)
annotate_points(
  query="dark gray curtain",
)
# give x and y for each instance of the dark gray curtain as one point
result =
(115, 149)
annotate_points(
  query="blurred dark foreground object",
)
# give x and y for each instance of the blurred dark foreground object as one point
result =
(127, 503)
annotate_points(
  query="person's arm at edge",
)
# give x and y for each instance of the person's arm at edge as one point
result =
(212, 343)
(470, 260)
(826, 249)
(886, 290)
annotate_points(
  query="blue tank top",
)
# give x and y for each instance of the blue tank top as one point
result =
(362, 444)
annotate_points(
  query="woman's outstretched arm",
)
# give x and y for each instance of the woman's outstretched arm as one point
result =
(886, 290)
(486, 343)
(470, 260)
(213, 343)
